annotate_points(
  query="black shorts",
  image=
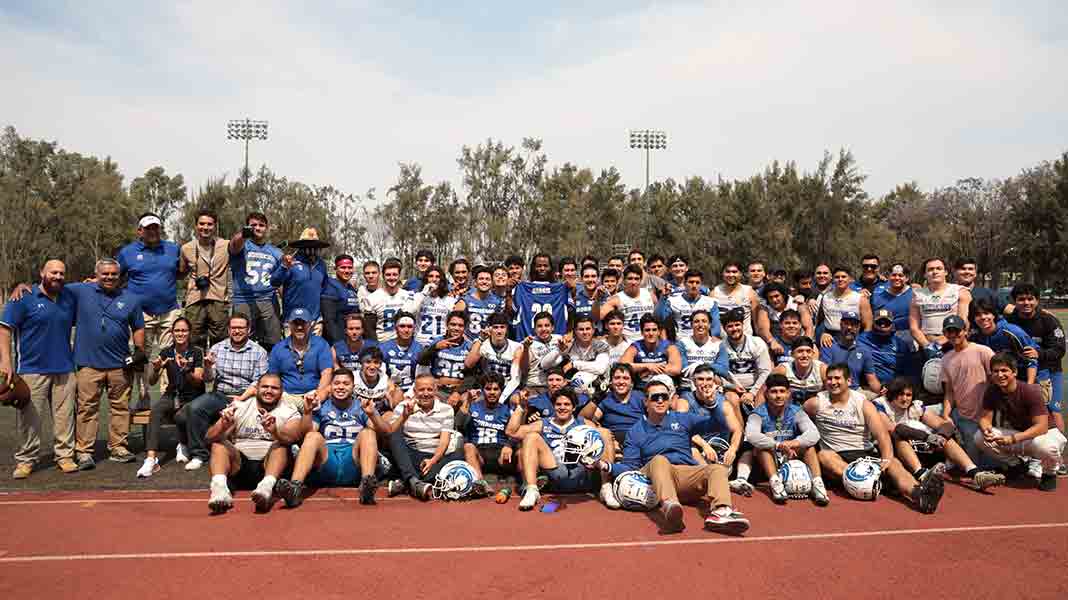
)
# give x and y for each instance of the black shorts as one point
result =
(850, 455)
(249, 475)
(491, 460)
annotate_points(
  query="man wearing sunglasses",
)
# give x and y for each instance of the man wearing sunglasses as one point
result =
(870, 279)
(303, 360)
(659, 446)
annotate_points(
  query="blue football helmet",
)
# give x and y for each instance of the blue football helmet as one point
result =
(454, 481)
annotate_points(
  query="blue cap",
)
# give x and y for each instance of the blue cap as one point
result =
(300, 314)
(851, 315)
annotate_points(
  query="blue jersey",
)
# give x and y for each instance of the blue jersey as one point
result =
(898, 305)
(349, 358)
(782, 428)
(680, 308)
(644, 355)
(554, 434)
(152, 274)
(401, 362)
(251, 269)
(620, 416)
(450, 361)
(583, 304)
(533, 297)
(339, 426)
(857, 357)
(348, 300)
(302, 286)
(890, 354)
(542, 405)
(486, 425)
(479, 311)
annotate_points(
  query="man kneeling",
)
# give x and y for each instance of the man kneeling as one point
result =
(250, 442)
(340, 444)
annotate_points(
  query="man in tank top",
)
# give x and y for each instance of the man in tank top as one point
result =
(934, 302)
(731, 293)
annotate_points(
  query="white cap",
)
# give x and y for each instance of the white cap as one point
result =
(149, 220)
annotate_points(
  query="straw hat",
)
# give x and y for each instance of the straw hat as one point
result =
(309, 238)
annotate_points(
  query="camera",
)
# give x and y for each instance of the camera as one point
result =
(202, 282)
(246, 232)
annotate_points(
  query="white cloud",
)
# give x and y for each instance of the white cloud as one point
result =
(914, 92)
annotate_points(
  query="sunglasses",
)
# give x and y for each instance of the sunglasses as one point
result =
(659, 397)
(870, 267)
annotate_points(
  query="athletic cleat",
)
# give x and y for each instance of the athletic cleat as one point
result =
(608, 496)
(367, 489)
(531, 495)
(291, 492)
(778, 490)
(194, 464)
(819, 492)
(732, 523)
(396, 487)
(988, 479)
(1048, 483)
(148, 468)
(928, 492)
(263, 496)
(421, 491)
(741, 486)
(672, 517)
(221, 500)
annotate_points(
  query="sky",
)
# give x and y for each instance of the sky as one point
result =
(918, 91)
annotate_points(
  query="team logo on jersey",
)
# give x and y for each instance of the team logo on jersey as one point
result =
(120, 305)
(475, 414)
(489, 417)
(40, 306)
(140, 257)
(675, 426)
(1058, 333)
(860, 355)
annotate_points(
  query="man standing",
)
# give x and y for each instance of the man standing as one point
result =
(679, 308)
(758, 276)
(634, 302)
(480, 302)
(870, 279)
(837, 301)
(965, 370)
(42, 321)
(424, 259)
(207, 260)
(234, 365)
(252, 260)
(966, 274)
(731, 293)
(302, 277)
(108, 317)
(339, 299)
(380, 308)
(895, 296)
(152, 267)
(934, 303)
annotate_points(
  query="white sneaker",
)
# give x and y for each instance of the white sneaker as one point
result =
(148, 468)
(608, 496)
(741, 486)
(778, 489)
(194, 464)
(181, 454)
(262, 496)
(221, 500)
(1034, 468)
(819, 492)
(530, 498)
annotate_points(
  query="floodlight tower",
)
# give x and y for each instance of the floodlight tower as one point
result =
(648, 139)
(246, 129)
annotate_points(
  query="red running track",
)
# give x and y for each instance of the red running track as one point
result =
(1013, 543)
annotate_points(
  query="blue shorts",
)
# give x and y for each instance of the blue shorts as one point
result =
(567, 479)
(339, 468)
(1056, 396)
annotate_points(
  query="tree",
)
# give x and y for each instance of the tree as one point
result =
(158, 193)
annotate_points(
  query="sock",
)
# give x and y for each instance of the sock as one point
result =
(219, 479)
(268, 480)
(743, 470)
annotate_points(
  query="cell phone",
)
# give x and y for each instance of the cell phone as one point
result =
(246, 231)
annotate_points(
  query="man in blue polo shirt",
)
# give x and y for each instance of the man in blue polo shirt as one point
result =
(252, 260)
(42, 321)
(845, 350)
(303, 360)
(890, 355)
(659, 446)
(152, 267)
(108, 316)
(302, 277)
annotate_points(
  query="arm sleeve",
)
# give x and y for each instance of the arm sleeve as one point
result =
(809, 434)
(722, 364)
(512, 384)
(596, 366)
(551, 359)
(755, 436)
(714, 328)
(764, 367)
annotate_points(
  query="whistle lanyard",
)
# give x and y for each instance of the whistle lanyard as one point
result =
(210, 261)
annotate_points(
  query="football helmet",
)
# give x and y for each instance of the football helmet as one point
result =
(720, 445)
(920, 446)
(861, 478)
(796, 478)
(454, 481)
(583, 445)
(932, 376)
(635, 492)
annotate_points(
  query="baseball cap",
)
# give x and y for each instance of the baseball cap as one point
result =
(883, 315)
(300, 314)
(953, 322)
(851, 315)
(663, 379)
(778, 271)
(149, 220)
(733, 315)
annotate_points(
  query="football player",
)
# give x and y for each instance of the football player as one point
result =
(347, 351)
(701, 349)
(634, 302)
(446, 358)
(493, 352)
(424, 259)
(749, 361)
(934, 302)
(837, 301)
(678, 308)
(621, 407)
(617, 342)
(537, 347)
(381, 306)
(651, 355)
(583, 358)
(402, 352)
(482, 418)
(731, 293)
(803, 372)
(480, 302)
(776, 301)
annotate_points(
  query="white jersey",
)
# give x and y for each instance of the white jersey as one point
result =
(833, 306)
(250, 438)
(842, 428)
(804, 386)
(377, 392)
(537, 351)
(750, 362)
(385, 306)
(775, 315)
(934, 307)
(682, 309)
(633, 310)
(362, 293)
(615, 353)
(432, 314)
(739, 298)
(499, 361)
(694, 354)
(913, 412)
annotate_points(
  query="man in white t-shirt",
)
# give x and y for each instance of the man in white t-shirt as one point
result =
(424, 439)
(250, 442)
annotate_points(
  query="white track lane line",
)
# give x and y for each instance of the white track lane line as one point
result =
(528, 547)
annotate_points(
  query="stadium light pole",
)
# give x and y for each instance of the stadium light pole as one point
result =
(246, 129)
(648, 139)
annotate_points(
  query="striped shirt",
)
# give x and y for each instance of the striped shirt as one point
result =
(238, 368)
(423, 429)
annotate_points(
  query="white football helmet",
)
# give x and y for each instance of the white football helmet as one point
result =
(635, 492)
(796, 478)
(861, 478)
(932, 376)
(454, 481)
(583, 445)
(720, 445)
